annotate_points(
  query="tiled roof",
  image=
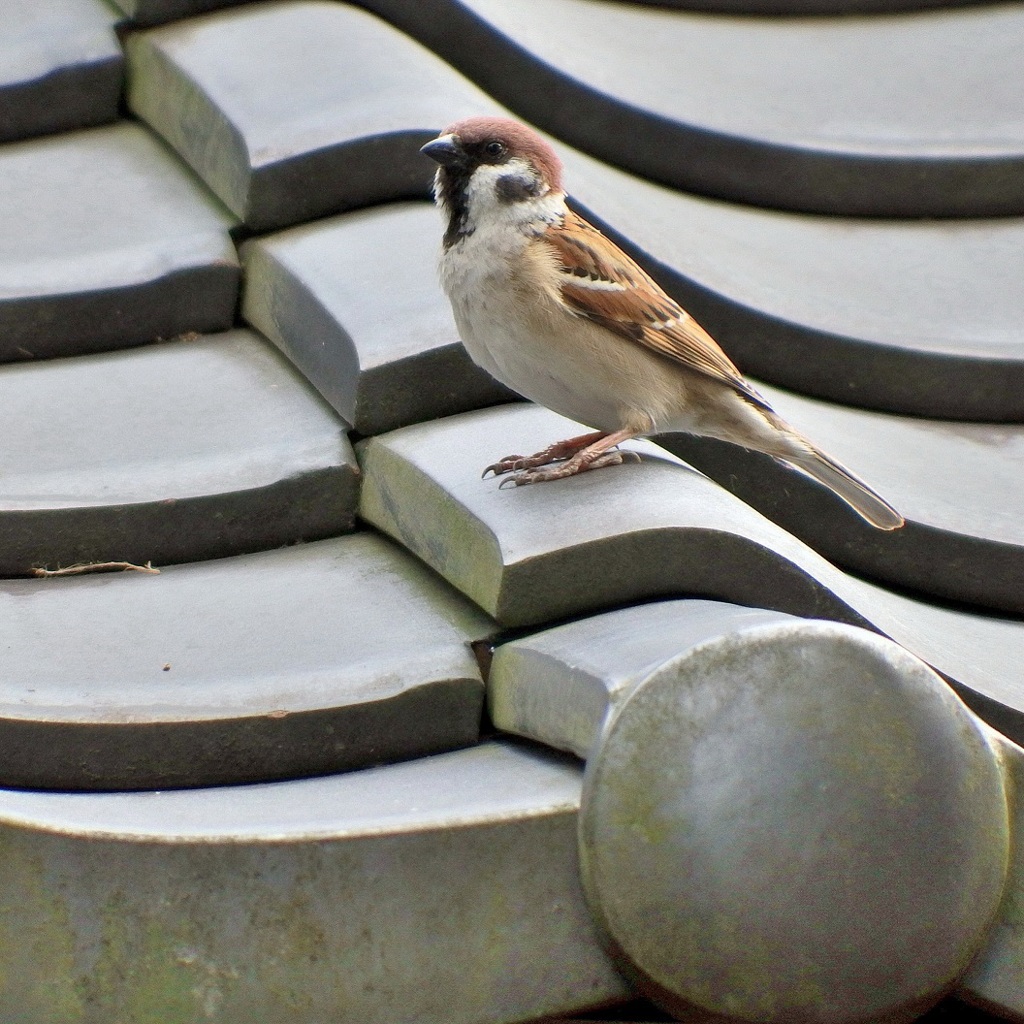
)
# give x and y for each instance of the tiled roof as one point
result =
(329, 762)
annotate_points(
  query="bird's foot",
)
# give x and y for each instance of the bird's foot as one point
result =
(557, 452)
(579, 463)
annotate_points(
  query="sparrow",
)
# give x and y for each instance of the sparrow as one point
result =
(551, 308)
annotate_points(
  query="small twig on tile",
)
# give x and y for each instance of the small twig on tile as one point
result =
(84, 567)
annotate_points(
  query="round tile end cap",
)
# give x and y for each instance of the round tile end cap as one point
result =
(795, 823)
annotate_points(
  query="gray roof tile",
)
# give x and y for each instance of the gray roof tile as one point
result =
(904, 316)
(108, 241)
(629, 533)
(311, 659)
(444, 890)
(447, 888)
(155, 12)
(956, 484)
(559, 686)
(176, 452)
(61, 66)
(353, 301)
(264, 101)
(992, 978)
(806, 805)
(817, 114)
(806, 6)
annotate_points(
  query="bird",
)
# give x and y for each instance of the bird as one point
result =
(550, 307)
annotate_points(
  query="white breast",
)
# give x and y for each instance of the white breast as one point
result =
(516, 327)
(531, 343)
(483, 277)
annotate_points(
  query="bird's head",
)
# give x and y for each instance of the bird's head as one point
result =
(492, 169)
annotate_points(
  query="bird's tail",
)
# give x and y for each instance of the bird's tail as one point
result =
(808, 459)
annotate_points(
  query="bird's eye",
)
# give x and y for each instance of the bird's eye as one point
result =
(494, 149)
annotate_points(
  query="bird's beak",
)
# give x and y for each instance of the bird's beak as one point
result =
(446, 150)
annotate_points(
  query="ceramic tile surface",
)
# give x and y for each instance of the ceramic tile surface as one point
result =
(685, 98)
(301, 719)
(274, 93)
(958, 494)
(314, 291)
(229, 450)
(805, 6)
(359, 871)
(109, 241)
(154, 12)
(276, 670)
(559, 686)
(918, 317)
(62, 66)
(649, 529)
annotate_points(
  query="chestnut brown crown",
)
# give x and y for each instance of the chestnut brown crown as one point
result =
(476, 133)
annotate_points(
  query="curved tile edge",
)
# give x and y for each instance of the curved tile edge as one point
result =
(444, 890)
(190, 300)
(308, 506)
(936, 562)
(66, 99)
(276, 193)
(697, 159)
(665, 529)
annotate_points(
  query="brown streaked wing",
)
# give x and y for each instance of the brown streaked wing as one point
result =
(632, 304)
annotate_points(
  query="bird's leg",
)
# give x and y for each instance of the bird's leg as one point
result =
(591, 456)
(553, 453)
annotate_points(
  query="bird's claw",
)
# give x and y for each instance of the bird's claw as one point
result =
(561, 470)
(506, 465)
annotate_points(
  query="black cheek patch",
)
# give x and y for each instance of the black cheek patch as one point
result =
(513, 188)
